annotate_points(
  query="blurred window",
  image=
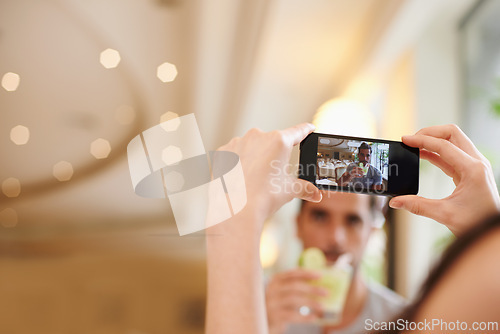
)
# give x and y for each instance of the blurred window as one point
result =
(480, 33)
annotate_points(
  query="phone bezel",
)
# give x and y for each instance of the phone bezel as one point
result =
(407, 158)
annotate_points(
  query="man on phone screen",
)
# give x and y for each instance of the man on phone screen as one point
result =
(362, 175)
(341, 223)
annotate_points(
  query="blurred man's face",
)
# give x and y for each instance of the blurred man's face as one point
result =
(364, 155)
(340, 223)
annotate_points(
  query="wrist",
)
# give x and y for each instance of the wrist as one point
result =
(243, 229)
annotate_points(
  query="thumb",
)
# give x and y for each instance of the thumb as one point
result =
(421, 206)
(306, 190)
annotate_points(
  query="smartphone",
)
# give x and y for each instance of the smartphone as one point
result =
(359, 165)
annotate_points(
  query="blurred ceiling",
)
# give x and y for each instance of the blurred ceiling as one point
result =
(241, 64)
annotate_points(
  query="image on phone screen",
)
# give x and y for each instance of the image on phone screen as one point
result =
(361, 165)
(352, 163)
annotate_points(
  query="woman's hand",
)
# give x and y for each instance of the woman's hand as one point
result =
(286, 293)
(265, 160)
(475, 196)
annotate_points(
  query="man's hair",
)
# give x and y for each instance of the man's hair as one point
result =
(365, 146)
(378, 205)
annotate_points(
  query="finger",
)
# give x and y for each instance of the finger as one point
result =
(299, 288)
(455, 135)
(294, 302)
(450, 153)
(430, 208)
(296, 134)
(294, 316)
(301, 274)
(436, 160)
(305, 190)
(298, 318)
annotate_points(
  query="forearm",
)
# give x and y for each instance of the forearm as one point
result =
(236, 301)
(235, 287)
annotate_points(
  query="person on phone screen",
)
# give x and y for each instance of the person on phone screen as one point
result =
(356, 177)
(341, 223)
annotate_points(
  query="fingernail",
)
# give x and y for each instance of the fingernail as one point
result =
(312, 126)
(395, 204)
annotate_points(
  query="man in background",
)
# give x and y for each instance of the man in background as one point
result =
(354, 175)
(341, 223)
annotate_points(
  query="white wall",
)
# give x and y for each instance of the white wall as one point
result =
(437, 101)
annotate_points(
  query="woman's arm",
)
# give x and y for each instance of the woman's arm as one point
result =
(466, 298)
(235, 288)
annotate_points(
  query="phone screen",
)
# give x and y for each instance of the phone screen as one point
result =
(361, 165)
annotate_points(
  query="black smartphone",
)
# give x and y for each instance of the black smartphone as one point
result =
(360, 165)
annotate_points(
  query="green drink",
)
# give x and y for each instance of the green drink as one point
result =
(364, 167)
(336, 279)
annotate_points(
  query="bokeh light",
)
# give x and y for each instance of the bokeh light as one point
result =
(8, 218)
(11, 187)
(20, 135)
(171, 155)
(110, 58)
(166, 72)
(63, 171)
(174, 181)
(342, 116)
(100, 148)
(174, 121)
(268, 249)
(10, 81)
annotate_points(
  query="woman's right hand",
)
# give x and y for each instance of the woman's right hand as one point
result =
(286, 293)
(475, 196)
